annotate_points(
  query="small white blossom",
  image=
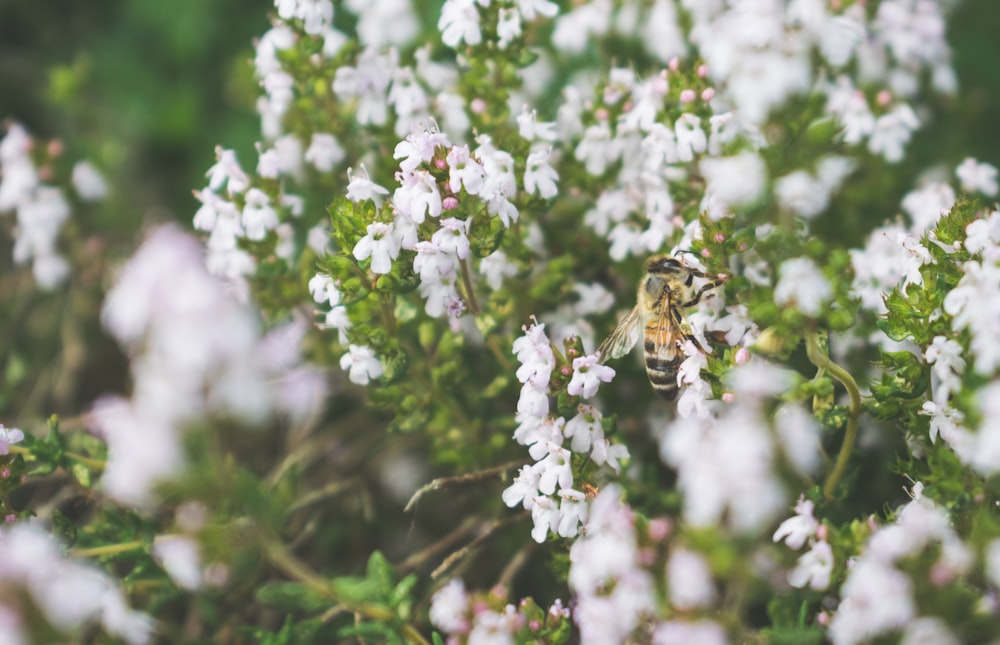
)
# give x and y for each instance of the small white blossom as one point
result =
(978, 177)
(380, 244)
(452, 237)
(361, 188)
(324, 152)
(588, 374)
(690, 580)
(539, 176)
(892, 131)
(90, 184)
(813, 568)
(798, 528)
(9, 436)
(361, 363)
(449, 607)
(459, 22)
(738, 180)
(802, 284)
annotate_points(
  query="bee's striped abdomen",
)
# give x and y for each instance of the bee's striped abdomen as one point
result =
(662, 371)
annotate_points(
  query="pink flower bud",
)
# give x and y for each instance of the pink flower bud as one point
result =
(565, 371)
(449, 203)
(677, 221)
(534, 625)
(705, 253)
(55, 148)
(720, 238)
(742, 356)
(687, 96)
(4, 473)
(728, 397)
(659, 529)
(822, 532)
(477, 105)
(823, 618)
(601, 114)
(702, 71)
(440, 164)
(708, 94)
(10, 518)
(674, 64)
(883, 98)
(660, 84)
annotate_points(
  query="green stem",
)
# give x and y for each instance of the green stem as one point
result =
(469, 292)
(281, 558)
(819, 358)
(108, 549)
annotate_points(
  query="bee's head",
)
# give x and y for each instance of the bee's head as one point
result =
(663, 265)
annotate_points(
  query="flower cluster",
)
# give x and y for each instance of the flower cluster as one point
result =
(488, 618)
(41, 208)
(194, 352)
(69, 594)
(546, 487)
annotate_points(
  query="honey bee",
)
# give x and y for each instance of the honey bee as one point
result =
(665, 292)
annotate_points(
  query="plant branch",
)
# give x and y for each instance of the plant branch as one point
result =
(462, 480)
(469, 291)
(820, 359)
(108, 549)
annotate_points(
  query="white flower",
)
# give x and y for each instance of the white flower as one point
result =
(892, 131)
(324, 289)
(683, 632)
(588, 374)
(813, 568)
(535, 355)
(597, 148)
(690, 580)
(90, 184)
(9, 436)
(799, 434)
(802, 284)
(927, 204)
(802, 194)
(495, 267)
(380, 244)
(524, 489)
(465, 171)
(945, 355)
(573, 511)
(324, 152)
(539, 176)
(798, 528)
(259, 216)
(452, 237)
(361, 188)
(877, 598)
(508, 26)
(530, 128)
(449, 606)
(227, 171)
(180, 557)
(738, 180)
(977, 177)
(690, 137)
(361, 363)
(459, 22)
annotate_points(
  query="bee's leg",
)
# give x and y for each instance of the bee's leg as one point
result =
(701, 292)
(680, 321)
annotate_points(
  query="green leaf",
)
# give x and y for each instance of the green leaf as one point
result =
(290, 596)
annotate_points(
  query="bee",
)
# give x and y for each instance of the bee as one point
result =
(665, 292)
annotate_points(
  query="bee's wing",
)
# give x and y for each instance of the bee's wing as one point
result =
(623, 338)
(666, 330)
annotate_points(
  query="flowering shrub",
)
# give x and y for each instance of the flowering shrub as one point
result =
(405, 292)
